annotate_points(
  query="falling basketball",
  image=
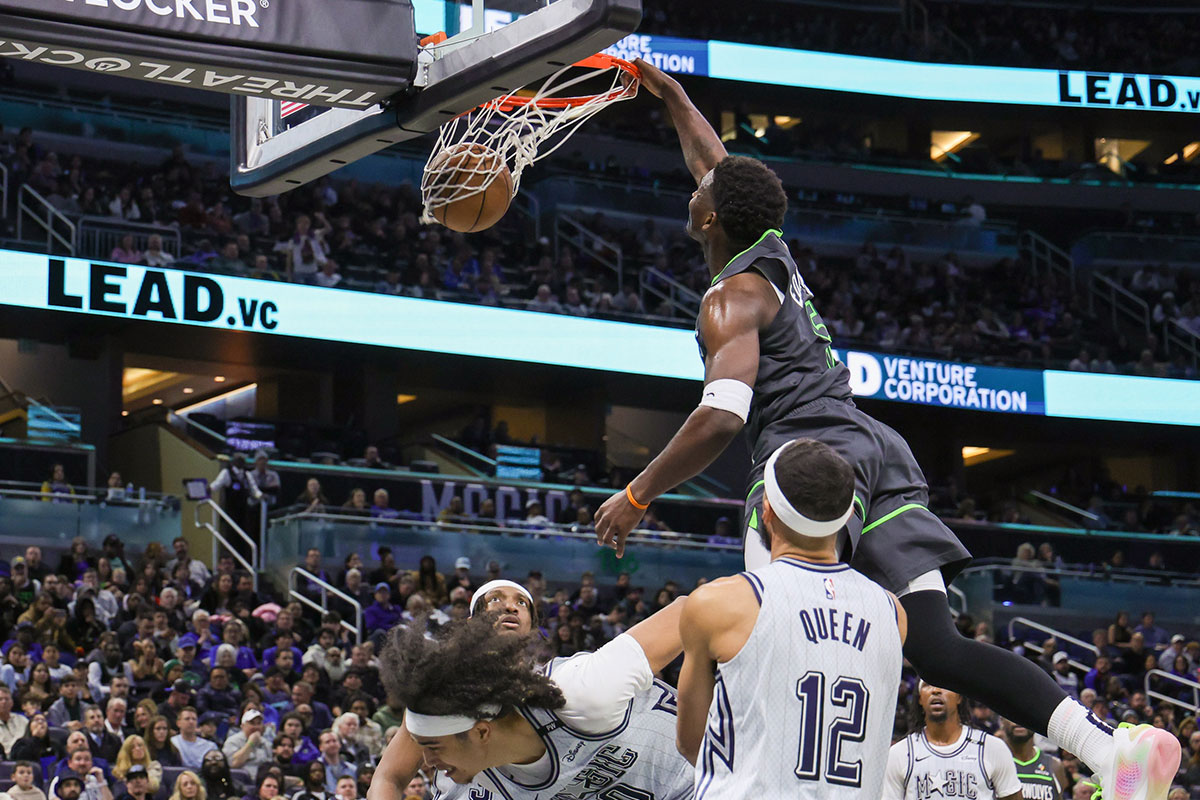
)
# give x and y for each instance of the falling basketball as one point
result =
(471, 187)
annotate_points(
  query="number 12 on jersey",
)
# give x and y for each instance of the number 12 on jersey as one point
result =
(844, 692)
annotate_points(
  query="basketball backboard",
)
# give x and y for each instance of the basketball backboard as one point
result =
(493, 48)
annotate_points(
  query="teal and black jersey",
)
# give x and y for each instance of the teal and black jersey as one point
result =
(1038, 781)
(796, 364)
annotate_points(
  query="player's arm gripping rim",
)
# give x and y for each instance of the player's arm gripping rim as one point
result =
(731, 316)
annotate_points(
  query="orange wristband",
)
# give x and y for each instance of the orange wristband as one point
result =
(633, 500)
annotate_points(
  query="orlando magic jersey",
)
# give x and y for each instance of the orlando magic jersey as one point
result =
(795, 359)
(1038, 781)
(969, 769)
(637, 760)
(805, 708)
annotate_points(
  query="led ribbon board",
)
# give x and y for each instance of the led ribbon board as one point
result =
(221, 302)
(780, 66)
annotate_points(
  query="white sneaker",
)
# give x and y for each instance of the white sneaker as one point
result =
(1144, 764)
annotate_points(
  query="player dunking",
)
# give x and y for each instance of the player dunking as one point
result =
(944, 757)
(769, 368)
(803, 649)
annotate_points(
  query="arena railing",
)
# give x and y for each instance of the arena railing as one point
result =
(652, 557)
(326, 590)
(1057, 634)
(29, 517)
(1156, 677)
(59, 231)
(253, 565)
(97, 236)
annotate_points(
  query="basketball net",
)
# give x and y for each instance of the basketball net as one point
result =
(520, 130)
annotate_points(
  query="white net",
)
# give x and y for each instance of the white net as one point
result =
(518, 130)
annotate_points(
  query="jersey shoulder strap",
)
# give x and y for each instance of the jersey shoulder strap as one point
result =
(769, 256)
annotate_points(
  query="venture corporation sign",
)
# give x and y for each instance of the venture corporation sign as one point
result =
(344, 53)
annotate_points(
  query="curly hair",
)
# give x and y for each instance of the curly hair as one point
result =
(748, 197)
(467, 665)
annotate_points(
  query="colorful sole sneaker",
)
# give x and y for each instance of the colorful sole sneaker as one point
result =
(1144, 765)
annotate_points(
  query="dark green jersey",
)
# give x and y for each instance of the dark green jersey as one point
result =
(796, 364)
(1038, 781)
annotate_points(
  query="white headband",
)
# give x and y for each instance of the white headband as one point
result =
(788, 515)
(429, 725)
(498, 584)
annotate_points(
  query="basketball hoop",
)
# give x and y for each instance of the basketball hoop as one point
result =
(521, 129)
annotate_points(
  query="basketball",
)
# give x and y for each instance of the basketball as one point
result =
(460, 169)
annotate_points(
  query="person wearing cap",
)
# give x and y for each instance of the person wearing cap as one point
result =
(179, 695)
(186, 653)
(485, 660)
(381, 615)
(462, 575)
(68, 787)
(1063, 675)
(248, 748)
(137, 784)
(80, 767)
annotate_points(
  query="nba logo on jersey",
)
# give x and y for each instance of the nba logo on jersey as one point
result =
(830, 592)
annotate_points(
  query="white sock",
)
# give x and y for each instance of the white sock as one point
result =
(1078, 731)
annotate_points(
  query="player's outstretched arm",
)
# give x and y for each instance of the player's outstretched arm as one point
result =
(702, 148)
(397, 767)
(731, 316)
(714, 626)
(658, 635)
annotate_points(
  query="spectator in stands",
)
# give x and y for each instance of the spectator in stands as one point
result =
(154, 255)
(431, 584)
(188, 787)
(380, 509)
(247, 747)
(1066, 679)
(137, 784)
(1119, 632)
(102, 743)
(328, 276)
(303, 749)
(229, 261)
(313, 780)
(13, 726)
(381, 615)
(115, 710)
(134, 753)
(80, 767)
(36, 744)
(312, 500)
(23, 788)
(218, 695)
(55, 489)
(336, 766)
(218, 782)
(305, 250)
(125, 206)
(267, 480)
(126, 251)
(302, 695)
(544, 301)
(67, 710)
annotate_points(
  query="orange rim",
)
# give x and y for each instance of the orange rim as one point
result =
(600, 61)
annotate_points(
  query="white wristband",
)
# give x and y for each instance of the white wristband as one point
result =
(729, 395)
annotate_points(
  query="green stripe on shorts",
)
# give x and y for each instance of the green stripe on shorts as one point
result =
(886, 517)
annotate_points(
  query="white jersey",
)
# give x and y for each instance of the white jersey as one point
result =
(978, 766)
(805, 708)
(635, 760)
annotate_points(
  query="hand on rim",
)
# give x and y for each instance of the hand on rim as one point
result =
(654, 79)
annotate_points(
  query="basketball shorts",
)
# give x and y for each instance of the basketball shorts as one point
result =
(893, 537)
